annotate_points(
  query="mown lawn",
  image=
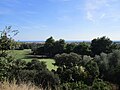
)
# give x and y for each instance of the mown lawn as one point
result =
(49, 63)
(23, 55)
(20, 54)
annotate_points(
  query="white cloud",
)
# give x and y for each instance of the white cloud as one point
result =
(101, 9)
(90, 16)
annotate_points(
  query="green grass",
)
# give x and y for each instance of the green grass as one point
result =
(23, 54)
(49, 63)
(19, 54)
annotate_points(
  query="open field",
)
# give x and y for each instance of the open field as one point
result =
(24, 55)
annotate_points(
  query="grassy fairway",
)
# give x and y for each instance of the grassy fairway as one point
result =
(23, 54)
(19, 54)
(49, 63)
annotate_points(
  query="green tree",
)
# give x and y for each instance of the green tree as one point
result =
(92, 70)
(82, 49)
(114, 58)
(59, 46)
(99, 84)
(114, 67)
(36, 65)
(6, 41)
(5, 66)
(67, 60)
(103, 64)
(69, 67)
(49, 45)
(47, 79)
(74, 86)
(100, 45)
(109, 66)
(69, 47)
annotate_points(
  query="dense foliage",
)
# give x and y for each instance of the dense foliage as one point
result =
(81, 66)
(52, 47)
(102, 44)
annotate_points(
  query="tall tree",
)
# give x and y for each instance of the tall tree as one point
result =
(59, 46)
(100, 45)
(49, 45)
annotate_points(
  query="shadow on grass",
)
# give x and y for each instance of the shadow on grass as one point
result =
(35, 56)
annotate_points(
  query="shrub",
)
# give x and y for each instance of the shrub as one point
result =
(47, 79)
(99, 84)
(36, 65)
(74, 86)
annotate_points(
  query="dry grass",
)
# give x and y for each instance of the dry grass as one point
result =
(13, 86)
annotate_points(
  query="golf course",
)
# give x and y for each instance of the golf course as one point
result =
(26, 56)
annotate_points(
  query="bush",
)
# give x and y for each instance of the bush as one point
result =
(99, 84)
(47, 79)
(67, 60)
(74, 86)
(35, 64)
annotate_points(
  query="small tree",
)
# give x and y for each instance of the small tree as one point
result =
(67, 60)
(6, 41)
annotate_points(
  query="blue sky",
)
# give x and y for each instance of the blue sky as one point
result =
(66, 19)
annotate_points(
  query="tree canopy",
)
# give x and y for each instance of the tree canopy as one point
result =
(100, 45)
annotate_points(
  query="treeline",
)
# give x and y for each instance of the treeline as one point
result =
(26, 45)
(95, 47)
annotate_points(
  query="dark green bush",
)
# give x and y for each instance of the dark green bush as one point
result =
(47, 79)
(99, 84)
(74, 86)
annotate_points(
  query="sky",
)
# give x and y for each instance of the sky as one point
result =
(37, 20)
